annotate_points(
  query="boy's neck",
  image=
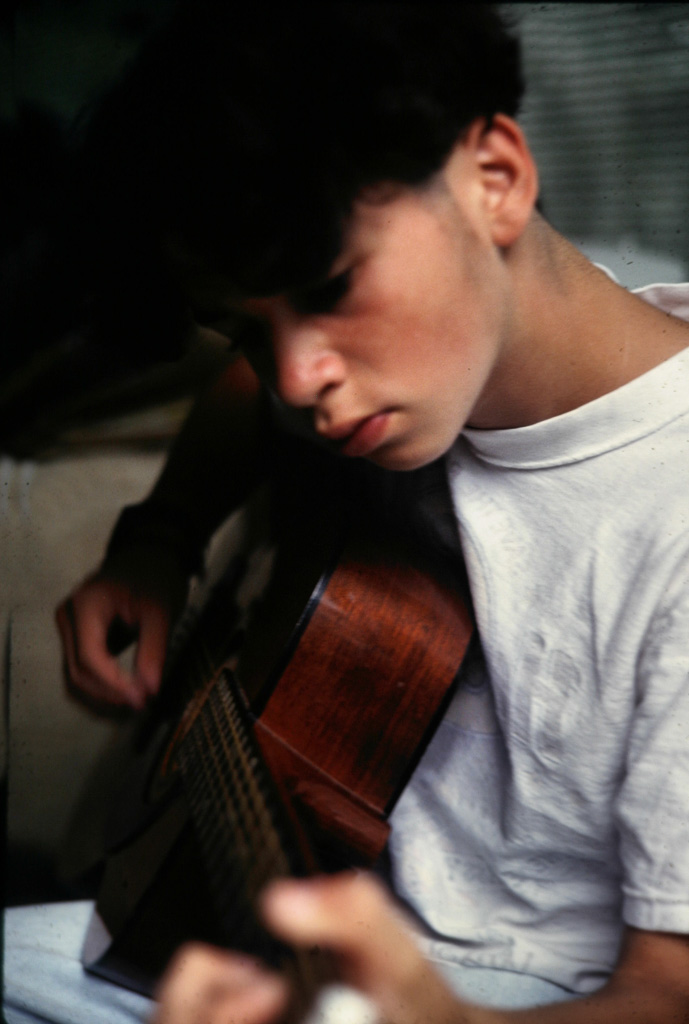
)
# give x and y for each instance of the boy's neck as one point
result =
(577, 335)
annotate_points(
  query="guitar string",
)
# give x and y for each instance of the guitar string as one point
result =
(235, 802)
(229, 709)
(252, 822)
(218, 800)
(254, 818)
(215, 831)
(265, 826)
(195, 670)
(306, 972)
(224, 872)
(220, 844)
(231, 807)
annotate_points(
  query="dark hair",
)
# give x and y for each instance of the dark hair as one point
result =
(247, 131)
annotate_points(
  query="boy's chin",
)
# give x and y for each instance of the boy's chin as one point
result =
(402, 459)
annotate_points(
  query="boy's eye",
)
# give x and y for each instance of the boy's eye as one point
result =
(322, 298)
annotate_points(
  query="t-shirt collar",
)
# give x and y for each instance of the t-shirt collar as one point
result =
(611, 421)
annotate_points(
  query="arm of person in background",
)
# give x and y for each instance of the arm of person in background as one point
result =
(353, 917)
(143, 582)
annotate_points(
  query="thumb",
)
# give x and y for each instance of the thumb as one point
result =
(353, 916)
(154, 627)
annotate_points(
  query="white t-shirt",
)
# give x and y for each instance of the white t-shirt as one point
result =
(552, 805)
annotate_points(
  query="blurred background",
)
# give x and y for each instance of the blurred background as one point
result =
(607, 114)
(83, 433)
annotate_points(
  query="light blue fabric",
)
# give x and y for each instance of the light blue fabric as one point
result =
(505, 990)
(43, 977)
(46, 984)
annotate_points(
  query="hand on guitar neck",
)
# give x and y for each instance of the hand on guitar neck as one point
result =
(348, 914)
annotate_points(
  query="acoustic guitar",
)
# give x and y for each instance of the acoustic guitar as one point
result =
(277, 750)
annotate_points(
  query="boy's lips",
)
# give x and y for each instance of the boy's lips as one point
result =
(360, 437)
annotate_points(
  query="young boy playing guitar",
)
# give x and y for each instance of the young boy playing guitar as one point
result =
(345, 192)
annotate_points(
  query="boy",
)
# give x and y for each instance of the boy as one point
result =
(348, 195)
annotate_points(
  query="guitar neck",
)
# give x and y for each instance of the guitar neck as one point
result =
(245, 832)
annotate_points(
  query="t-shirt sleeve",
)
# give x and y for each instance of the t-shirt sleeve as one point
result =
(652, 809)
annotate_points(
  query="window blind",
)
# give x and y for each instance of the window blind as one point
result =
(607, 116)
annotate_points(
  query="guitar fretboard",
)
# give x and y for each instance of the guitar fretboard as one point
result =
(244, 835)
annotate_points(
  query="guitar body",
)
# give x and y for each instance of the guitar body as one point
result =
(339, 683)
(347, 711)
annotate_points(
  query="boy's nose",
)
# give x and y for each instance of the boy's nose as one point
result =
(304, 355)
(306, 366)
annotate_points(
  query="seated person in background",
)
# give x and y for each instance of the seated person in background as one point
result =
(344, 191)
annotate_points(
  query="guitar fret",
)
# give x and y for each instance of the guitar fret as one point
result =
(245, 790)
(215, 796)
(230, 800)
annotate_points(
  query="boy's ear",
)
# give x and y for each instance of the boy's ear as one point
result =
(506, 175)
